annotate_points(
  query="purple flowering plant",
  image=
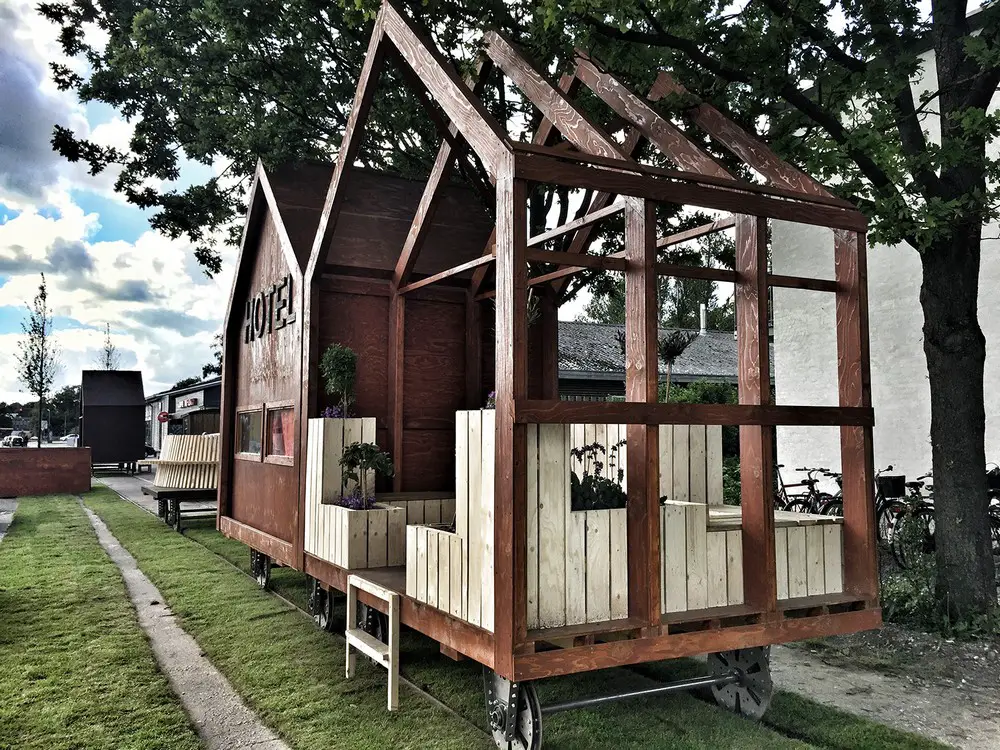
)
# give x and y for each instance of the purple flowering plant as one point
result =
(491, 400)
(332, 412)
(359, 461)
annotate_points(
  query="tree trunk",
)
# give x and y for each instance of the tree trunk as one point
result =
(955, 349)
(41, 407)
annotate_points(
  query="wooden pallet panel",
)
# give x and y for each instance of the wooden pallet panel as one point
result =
(696, 526)
(486, 528)
(718, 588)
(475, 517)
(673, 537)
(833, 551)
(734, 567)
(552, 513)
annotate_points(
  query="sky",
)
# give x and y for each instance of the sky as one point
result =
(102, 262)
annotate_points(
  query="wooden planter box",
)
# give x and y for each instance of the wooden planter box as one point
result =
(349, 538)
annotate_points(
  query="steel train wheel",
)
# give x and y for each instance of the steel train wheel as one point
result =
(523, 729)
(260, 568)
(751, 696)
(321, 606)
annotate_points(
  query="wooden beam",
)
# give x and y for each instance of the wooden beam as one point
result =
(662, 134)
(692, 234)
(473, 353)
(454, 271)
(397, 393)
(577, 260)
(471, 118)
(571, 226)
(440, 174)
(558, 109)
(641, 385)
(510, 621)
(551, 167)
(745, 146)
(543, 136)
(531, 411)
(800, 282)
(681, 176)
(620, 653)
(854, 388)
(760, 584)
(695, 272)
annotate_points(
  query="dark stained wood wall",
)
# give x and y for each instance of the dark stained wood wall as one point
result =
(43, 471)
(265, 495)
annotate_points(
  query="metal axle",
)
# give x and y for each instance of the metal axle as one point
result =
(729, 678)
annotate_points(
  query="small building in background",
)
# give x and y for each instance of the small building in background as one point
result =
(112, 405)
(192, 410)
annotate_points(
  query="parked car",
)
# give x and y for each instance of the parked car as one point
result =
(72, 440)
(12, 441)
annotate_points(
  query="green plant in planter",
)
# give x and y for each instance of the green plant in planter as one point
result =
(358, 461)
(595, 490)
(339, 366)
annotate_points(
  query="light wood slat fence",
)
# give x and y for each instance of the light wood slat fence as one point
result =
(188, 462)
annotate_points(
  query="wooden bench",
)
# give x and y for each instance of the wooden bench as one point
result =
(170, 500)
(186, 472)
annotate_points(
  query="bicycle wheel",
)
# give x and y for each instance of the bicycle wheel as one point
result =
(995, 532)
(913, 535)
(798, 505)
(832, 507)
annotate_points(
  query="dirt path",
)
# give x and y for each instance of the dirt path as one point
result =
(223, 720)
(956, 712)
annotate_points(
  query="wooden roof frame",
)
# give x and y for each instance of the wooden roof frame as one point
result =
(600, 164)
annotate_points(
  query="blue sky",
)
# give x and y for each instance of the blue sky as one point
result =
(103, 264)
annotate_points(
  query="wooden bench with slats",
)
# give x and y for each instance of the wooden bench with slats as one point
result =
(186, 472)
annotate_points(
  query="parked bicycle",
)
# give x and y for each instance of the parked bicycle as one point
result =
(912, 528)
(813, 501)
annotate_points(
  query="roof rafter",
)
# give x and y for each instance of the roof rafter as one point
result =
(673, 143)
(750, 149)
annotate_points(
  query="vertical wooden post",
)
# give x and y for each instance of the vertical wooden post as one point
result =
(397, 346)
(756, 446)
(549, 322)
(473, 353)
(641, 383)
(510, 493)
(854, 385)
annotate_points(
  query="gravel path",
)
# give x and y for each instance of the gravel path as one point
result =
(958, 714)
(223, 720)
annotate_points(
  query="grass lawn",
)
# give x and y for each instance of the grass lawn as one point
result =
(76, 670)
(292, 673)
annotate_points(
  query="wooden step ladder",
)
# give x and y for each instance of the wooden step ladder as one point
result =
(384, 654)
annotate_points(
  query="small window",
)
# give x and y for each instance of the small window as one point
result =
(248, 431)
(281, 432)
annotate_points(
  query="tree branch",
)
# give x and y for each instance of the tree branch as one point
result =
(817, 35)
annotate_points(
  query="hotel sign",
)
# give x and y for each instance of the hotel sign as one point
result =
(269, 310)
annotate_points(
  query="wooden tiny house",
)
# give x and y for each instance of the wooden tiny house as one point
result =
(434, 299)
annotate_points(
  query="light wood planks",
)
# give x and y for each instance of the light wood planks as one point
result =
(188, 462)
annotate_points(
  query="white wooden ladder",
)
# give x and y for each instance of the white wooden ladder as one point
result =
(385, 654)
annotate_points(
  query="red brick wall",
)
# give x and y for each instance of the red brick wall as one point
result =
(43, 471)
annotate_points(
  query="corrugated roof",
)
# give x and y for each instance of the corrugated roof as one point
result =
(111, 388)
(591, 349)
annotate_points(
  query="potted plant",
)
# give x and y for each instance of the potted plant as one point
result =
(366, 534)
(596, 491)
(339, 367)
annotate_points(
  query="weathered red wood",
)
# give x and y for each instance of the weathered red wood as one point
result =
(473, 353)
(510, 489)
(641, 386)
(619, 653)
(536, 411)
(278, 550)
(396, 392)
(760, 586)
(577, 260)
(553, 167)
(543, 136)
(691, 234)
(695, 272)
(460, 268)
(662, 134)
(801, 282)
(854, 386)
(486, 136)
(448, 151)
(571, 226)
(747, 147)
(558, 109)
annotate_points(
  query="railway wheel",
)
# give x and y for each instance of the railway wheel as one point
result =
(373, 622)
(260, 568)
(751, 696)
(321, 606)
(514, 712)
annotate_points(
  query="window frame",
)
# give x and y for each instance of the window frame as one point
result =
(242, 455)
(270, 458)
